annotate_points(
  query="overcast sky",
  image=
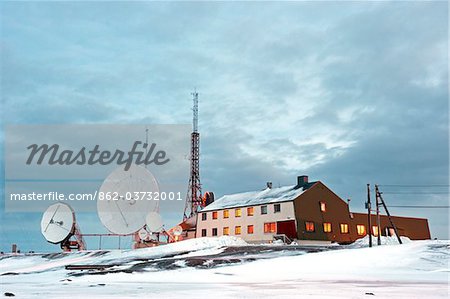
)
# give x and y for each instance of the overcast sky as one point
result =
(348, 93)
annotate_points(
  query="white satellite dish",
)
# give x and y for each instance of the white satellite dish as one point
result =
(128, 205)
(58, 223)
(143, 234)
(177, 230)
(154, 222)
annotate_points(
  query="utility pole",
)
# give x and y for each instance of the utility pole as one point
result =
(369, 216)
(378, 216)
(378, 193)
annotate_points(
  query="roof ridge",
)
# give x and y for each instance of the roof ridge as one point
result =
(249, 198)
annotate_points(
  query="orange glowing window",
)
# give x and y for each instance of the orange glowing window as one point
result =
(375, 230)
(214, 215)
(250, 229)
(361, 229)
(309, 226)
(327, 227)
(391, 231)
(344, 228)
(237, 213)
(226, 213)
(323, 207)
(270, 227)
(250, 211)
(226, 231)
(237, 230)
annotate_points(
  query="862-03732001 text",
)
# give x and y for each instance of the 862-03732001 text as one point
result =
(59, 196)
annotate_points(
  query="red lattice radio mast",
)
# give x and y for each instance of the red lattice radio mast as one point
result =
(194, 193)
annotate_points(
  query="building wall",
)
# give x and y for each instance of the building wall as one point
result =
(413, 228)
(257, 220)
(307, 209)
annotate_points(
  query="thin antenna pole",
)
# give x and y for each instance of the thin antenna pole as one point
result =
(195, 110)
(146, 142)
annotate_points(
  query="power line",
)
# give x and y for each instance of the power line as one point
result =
(415, 186)
(415, 193)
(425, 207)
(408, 200)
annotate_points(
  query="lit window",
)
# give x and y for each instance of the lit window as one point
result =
(391, 231)
(309, 226)
(214, 214)
(204, 232)
(203, 216)
(263, 210)
(327, 227)
(237, 213)
(269, 227)
(276, 208)
(250, 211)
(214, 231)
(237, 230)
(226, 213)
(361, 229)
(344, 228)
(375, 230)
(323, 207)
(250, 229)
(226, 231)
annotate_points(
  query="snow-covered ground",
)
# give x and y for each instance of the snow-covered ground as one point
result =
(227, 267)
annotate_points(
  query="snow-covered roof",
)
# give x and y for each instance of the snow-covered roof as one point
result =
(268, 195)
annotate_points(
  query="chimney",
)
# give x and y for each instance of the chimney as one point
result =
(269, 185)
(302, 181)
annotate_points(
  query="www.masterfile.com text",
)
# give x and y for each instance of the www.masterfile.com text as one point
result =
(59, 196)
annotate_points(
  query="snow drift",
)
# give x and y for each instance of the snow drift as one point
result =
(416, 269)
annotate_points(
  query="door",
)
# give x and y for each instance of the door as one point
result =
(288, 228)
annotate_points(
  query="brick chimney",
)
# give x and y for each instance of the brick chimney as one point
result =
(302, 180)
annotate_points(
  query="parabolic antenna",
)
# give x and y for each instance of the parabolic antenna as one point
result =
(124, 202)
(177, 230)
(58, 223)
(154, 222)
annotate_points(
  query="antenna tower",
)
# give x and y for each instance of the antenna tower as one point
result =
(194, 194)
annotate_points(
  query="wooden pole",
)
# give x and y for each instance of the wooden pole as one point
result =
(390, 219)
(369, 224)
(378, 215)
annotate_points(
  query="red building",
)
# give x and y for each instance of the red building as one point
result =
(305, 211)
